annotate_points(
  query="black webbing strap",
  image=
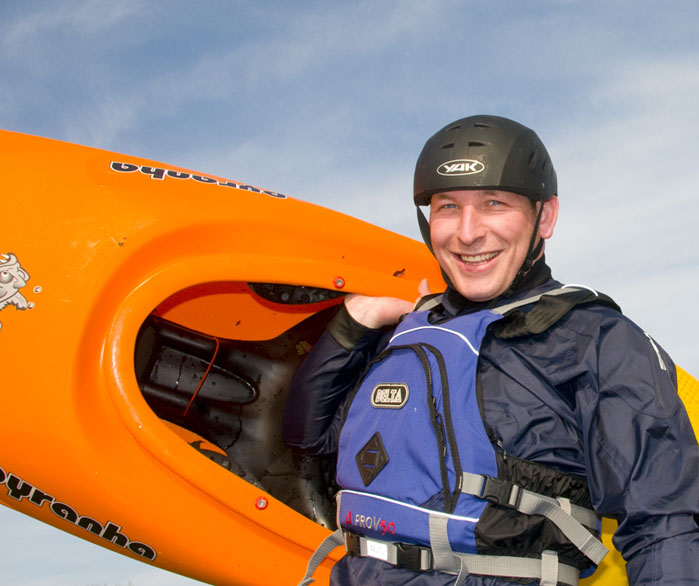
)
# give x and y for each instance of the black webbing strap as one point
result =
(547, 311)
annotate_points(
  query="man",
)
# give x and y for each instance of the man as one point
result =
(486, 430)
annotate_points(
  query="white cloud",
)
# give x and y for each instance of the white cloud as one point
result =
(86, 19)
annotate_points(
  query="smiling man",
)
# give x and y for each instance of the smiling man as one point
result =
(520, 409)
(481, 238)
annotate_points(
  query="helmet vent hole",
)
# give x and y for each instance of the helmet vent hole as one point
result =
(454, 128)
(448, 146)
(532, 159)
(475, 143)
(481, 125)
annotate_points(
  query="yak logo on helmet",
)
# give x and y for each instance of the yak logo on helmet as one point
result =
(390, 395)
(12, 278)
(460, 167)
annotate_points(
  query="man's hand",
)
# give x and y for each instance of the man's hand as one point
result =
(376, 312)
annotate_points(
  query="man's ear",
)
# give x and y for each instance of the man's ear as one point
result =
(549, 215)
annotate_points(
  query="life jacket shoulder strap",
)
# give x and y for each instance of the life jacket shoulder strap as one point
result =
(428, 302)
(549, 308)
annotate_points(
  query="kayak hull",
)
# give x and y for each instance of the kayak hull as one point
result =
(107, 256)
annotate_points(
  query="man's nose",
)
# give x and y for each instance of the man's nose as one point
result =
(471, 226)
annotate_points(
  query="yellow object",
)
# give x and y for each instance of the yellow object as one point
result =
(105, 256)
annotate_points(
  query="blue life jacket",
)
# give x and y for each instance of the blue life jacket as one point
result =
(416, 464)
(412, 429)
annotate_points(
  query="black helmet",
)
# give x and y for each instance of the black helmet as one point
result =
(484, 152)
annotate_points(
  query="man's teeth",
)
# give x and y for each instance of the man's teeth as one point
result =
(478, 257)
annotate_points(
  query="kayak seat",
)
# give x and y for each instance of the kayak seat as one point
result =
(233, 394)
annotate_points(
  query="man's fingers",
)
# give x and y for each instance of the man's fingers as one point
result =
(423, 288)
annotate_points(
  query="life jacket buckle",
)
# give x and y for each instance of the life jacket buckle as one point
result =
(501, 492)
(405, 555)
(413, 557)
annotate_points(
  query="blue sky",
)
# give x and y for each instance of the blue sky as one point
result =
(331, 101)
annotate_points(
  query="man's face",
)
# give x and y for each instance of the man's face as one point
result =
(481, 238)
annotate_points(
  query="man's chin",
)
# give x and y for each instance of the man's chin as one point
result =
(476, 294)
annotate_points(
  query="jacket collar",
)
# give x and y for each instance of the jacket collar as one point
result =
(453, 303)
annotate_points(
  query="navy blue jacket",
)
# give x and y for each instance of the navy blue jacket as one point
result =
(593, 396)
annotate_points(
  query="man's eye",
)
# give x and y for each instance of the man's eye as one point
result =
(5, 277)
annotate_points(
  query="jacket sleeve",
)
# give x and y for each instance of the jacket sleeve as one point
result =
(643, 458)
(322, 381)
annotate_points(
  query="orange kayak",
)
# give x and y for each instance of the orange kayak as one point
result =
(153, 316)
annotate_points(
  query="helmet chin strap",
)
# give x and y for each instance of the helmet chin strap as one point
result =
(532, 254)
(424, 224)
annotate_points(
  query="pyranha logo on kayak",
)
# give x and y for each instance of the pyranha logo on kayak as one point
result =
(460, 167)
(19, 490)
(160, 173)
(12, 278)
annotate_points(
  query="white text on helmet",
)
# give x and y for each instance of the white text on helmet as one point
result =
(460, 167)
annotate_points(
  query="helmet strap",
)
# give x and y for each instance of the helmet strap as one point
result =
(424, 224)
(532, 254)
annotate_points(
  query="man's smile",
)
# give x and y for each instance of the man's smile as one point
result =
(477, 258)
